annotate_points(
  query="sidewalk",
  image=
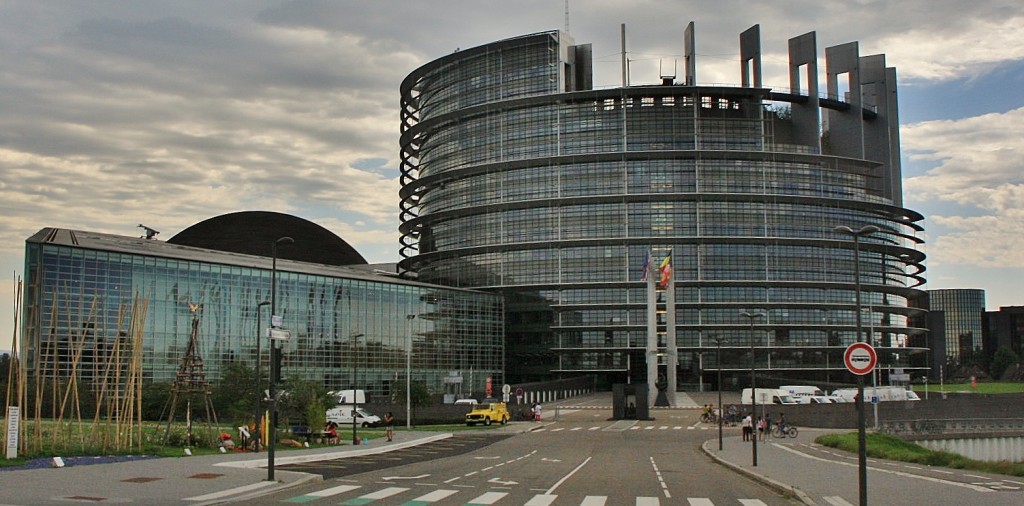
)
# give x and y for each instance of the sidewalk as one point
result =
(817, 475)
(196, 480)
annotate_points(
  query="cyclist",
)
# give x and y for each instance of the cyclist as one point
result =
(782, 422)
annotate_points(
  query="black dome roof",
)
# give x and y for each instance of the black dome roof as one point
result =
(254, 232)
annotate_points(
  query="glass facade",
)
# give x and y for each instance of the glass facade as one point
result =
(963, 312)
(92, 299)
(553, 195)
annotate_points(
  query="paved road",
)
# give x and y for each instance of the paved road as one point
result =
(578, 457)
(582, 458)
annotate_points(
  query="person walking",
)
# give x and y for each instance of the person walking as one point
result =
(389, 426)
(748, 427)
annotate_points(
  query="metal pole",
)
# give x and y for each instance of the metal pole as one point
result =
(355, 379)
(753, 387)
(862, 455)
(721, 412)
(272, 430)
(259, 379)
(408, 374)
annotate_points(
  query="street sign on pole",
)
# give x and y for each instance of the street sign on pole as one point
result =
(860, 358)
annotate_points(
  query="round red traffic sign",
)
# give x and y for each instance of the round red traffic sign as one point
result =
(860, 358)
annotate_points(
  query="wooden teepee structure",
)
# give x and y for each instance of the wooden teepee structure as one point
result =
(191, 380)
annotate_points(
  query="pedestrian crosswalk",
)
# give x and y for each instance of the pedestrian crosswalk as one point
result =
(407, 496)
(593, 428)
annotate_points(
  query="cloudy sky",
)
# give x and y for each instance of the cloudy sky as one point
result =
(116, 113)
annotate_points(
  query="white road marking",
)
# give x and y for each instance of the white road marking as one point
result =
(880, 470)
(594, 500)
(327, 492)
(567, 476)
(752, 502)
(436, 495)
(541, 500)
(389, 478)
(700, 501)
(648, 501)
(835, 500)
(657, 472)
(384, 493)
(231, 491)
(488, 498)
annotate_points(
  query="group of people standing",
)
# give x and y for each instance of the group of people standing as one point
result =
(763, 425)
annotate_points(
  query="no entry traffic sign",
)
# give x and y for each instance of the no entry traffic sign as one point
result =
(860, 358)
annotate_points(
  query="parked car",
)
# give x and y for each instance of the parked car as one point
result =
(464, 402)
(488, 414)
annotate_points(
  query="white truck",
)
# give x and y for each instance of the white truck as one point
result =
(767, 396)
(882, 393)
(807, 394)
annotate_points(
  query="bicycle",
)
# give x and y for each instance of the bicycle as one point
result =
(708, 418)
(781, 431)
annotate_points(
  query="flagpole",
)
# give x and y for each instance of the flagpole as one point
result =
(652, 333)
(672, 355)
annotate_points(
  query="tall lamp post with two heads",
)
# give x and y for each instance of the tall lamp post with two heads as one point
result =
(753, 386)
(274, 351)
(862, 456)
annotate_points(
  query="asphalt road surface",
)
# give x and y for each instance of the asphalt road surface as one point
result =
(582, 458)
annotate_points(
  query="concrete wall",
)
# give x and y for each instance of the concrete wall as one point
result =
(954, 406)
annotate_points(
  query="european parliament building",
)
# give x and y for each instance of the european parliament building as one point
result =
(520, 178)
(97, 301)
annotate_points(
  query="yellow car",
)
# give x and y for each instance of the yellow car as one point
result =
(493, 412)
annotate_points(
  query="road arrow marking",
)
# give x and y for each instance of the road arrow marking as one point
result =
(501, 482)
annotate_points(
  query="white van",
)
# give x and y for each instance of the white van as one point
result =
(348, 396)
(342, 415)
(466, 402)
(768, 396)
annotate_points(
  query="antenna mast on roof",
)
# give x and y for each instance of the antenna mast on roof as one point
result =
(567, 17)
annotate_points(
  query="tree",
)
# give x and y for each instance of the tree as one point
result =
(234, 397)
(301, 400)
(419, 396)
(1003, 359)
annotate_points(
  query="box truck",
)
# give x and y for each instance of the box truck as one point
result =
(767, 396)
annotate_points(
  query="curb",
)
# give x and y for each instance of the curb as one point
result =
(776, 485)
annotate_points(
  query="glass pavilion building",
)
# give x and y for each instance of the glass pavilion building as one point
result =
(519, 178)
(92, 300)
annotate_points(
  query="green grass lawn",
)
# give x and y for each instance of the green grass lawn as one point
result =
(995, 387)
(888, 447)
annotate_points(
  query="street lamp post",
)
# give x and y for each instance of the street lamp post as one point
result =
(259, 380)
(408, 374)
(355, 378)
(718, 358)
(862, 456)
(753, 386)
(272, 430)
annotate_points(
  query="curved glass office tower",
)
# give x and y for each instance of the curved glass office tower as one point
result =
(517, 177)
